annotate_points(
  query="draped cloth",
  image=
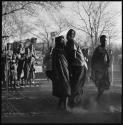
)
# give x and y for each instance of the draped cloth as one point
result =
(100, 68)
(77, 82)
(27, 66)
(77, 68)
(61, 86)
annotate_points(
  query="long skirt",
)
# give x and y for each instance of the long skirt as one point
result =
(77, 80)
(60, 78)
(101, 78)
(19, 69)
(26, 71)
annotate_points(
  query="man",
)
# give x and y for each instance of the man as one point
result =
(77, 68)
(9, 54)
(100, 63)
(20, 60)
(13, 70)
(27, 65)
(32, 63)
(3, 68)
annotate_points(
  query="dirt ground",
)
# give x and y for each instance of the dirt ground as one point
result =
(36, 104)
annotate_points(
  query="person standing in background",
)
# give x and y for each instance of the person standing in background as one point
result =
(20, 61)
(100, 63)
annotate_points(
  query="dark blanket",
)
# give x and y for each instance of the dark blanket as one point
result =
(77, 81)
(61, 86)
(27, 66)
(77, 70)
(100, 68)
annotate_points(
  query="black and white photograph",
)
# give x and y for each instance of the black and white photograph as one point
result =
(61, 62)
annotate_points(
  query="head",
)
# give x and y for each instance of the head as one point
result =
(60, 42)
(27, 50)
(71, 34)
(103, 40)
(21, 45)
(33, 40)
(8, 46)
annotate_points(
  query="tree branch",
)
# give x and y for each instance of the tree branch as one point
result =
(5, 37)
(83, 19)
(13, 11)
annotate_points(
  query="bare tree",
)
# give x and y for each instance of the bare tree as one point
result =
(95, 19)
(10, 9)
(43, 29)
(60, 21)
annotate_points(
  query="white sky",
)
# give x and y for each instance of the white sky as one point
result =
(115, 6)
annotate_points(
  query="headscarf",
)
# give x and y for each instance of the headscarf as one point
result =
(69, 33)
(59, 43)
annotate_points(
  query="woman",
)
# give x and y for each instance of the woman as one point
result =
(61, 86)
(13, 70)
(27, 65)
(77, 68)
(20, 61)
(100, 63)
(32, 64)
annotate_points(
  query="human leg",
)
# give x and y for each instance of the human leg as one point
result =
(59, 103)
(100, 93)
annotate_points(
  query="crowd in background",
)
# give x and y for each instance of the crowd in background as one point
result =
(18, 66)
(68, 69)
(68, 65)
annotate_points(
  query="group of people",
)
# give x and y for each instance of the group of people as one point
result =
(16, 64)
(69, 70)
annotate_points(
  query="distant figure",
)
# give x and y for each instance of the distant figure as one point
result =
(33, 62)
(100, 63)
(61, 83)
(9, 52)
(13, 71)
(77, 68)
(8, 64)
(3, 68)
(48, 63)
(20, 61)
(27, 65)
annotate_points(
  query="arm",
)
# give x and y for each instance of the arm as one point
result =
(74, 49)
